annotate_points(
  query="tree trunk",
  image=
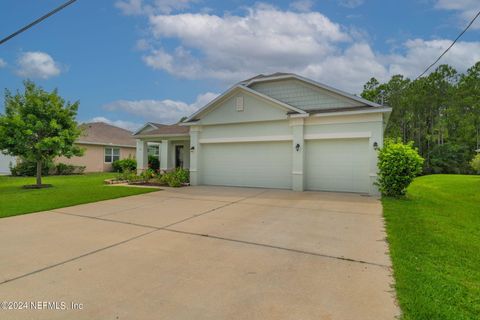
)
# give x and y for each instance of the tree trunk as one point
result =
(39, 173)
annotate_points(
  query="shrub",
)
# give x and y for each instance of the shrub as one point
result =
(147, 174)
(398, 165)
(28, 168)
(475, 163)
(127, 175)
(124, 164)
(67, 169)
(153, 163)
(175, 178)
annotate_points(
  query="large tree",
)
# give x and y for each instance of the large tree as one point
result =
(38, 126)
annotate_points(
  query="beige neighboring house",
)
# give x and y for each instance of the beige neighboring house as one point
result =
(103, 144)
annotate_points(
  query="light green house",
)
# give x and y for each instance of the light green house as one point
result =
(275, 131)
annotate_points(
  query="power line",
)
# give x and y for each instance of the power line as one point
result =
(28, 26)
(453, 43)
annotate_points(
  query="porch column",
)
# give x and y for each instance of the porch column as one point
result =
(297, 156)
(141, 155)
(165, 156)
(194, 155)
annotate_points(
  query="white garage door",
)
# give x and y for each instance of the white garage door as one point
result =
(258, 164)
(337, 165)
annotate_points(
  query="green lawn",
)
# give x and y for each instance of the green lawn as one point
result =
(66, 191)
(434, 238)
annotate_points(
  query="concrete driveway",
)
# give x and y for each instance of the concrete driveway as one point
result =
(200, 253)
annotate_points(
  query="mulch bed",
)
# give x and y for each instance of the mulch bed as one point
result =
(151, 184)
(34, 186)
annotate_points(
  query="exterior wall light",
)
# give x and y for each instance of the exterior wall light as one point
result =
(192, 148)
(297, 146)
(375, 145)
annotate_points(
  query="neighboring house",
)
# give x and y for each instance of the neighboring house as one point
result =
(103, 144)
(276, 131)
(5, 163)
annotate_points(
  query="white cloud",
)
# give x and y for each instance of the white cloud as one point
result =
(467, 9)
(140, 7)
(37, 65)
(351, 3)
(132, 126)
(163, 111)
(421, 53)
(302, 5)
(266, 39)
(2, 63)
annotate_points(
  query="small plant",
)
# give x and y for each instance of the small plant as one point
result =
(175, 178)
(398, 165)
(153, 163)
(475, 163)
(124, 164)
(147, 175)
(127, 175)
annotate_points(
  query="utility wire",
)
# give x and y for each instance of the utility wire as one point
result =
(28, 26)
(453, 43)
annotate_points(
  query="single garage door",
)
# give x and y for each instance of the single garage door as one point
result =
(256, 164)
(337, 165)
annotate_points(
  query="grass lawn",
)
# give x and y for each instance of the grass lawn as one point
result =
(66, 191)
(434, 238)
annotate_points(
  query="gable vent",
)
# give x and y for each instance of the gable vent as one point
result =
(239, 103)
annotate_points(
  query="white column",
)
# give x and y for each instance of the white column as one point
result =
(298, 156)
(142, 155)
(165, 155)
(194, 155)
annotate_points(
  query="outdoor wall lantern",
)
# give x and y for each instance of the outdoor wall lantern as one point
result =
(375, 145)
(192, 148)
(297, 146)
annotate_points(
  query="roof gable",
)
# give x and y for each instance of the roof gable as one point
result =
(304, 93)
(272, 102)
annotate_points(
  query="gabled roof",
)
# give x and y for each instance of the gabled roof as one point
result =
(281, 76)
(247, 89)
(245, 85)
(163, 129)
(101, 133)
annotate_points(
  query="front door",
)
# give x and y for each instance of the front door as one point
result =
(178, 156)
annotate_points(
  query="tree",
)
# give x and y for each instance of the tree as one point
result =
(38, 126)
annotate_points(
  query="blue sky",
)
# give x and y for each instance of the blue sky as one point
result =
(132, 61)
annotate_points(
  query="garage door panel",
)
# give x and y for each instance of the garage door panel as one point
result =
(337, 165)
(259, 164)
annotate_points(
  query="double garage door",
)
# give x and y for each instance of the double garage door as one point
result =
(330, 165)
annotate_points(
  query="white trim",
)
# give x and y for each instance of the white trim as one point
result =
(299, 115)
(105, 154)
(316, 84)
(373, 175)
(341, 113)
(339, 135)
(144, 126)
(104, 144)
(297, 172)
(247, 139)
(152, 136)
(244, 88)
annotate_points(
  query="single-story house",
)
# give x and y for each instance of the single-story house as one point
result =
(6, 162)
(103, 144)
(275, 131)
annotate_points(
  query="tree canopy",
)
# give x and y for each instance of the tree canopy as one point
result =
(440, 113)
(38, 126)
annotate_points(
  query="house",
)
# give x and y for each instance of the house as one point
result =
(276, 131)
(103, 144)
(6, 162)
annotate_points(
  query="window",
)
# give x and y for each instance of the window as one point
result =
(112, 154)
(154, 150)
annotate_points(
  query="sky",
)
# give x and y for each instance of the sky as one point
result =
(133, 61)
